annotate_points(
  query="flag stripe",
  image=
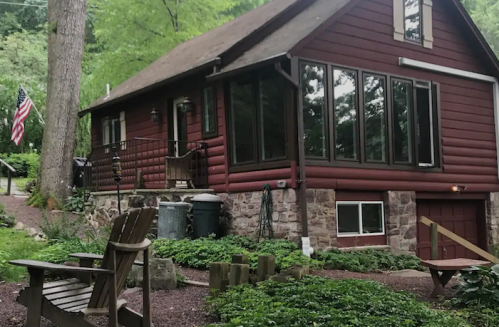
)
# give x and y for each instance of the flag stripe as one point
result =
(23, 108)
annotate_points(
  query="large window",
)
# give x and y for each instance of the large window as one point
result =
(374, 119)
(313, 80)
(209, 112)
(412, 20)
(258, 119)
(360, 218)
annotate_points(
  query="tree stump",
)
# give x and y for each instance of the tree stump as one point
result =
(266, 267)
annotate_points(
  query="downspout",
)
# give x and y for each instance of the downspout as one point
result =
(307, 249)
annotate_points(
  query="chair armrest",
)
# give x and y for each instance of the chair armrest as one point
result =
(92, 256)
(51, 266)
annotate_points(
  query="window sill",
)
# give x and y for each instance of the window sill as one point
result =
(368, 165)
(208, 136)
(262, 166)
(366, 247)
(359, 235)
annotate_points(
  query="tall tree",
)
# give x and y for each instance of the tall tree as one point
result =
(66, 32)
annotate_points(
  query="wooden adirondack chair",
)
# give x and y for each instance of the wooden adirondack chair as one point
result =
(68, 303)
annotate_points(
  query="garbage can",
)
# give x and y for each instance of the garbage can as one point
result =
(172, 220)
(206, 209)
(79, 170)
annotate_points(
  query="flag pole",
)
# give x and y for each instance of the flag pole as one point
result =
(39, 115)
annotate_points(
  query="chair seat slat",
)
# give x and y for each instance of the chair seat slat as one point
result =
(72, 299)
(64, 288)
(60, 283)
(73, 304)
(69, 293)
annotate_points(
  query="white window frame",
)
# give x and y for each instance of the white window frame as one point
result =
(106, 131)
(359, 207)
(427, 86)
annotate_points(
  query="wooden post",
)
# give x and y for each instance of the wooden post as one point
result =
(146, 291)
(9, 181)
(239, 274)
(240, 258)
(35, 299)
(434, 241)
(219, 277)
(266, 267)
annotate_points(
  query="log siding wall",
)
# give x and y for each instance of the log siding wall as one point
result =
(363, 38)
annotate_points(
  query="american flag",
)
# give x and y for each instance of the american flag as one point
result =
(24, 105)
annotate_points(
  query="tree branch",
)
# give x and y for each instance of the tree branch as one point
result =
(146, 29)
(173, 17)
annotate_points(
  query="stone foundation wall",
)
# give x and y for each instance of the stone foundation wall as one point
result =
(103, 206)
(492, 220)
(286, 219)
(401, 221)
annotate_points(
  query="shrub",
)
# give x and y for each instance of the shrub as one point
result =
(63, 228)
(200, 253)
(368, 261)
(479, 287)
(7, 220)
(59, 252)
(318, 301)
(37, 200)
(25, 164)
(76, 203)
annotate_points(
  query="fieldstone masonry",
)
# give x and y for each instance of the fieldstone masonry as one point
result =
(245, 210)
(401, 221)
(492, 220)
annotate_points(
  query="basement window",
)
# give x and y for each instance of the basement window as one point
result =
(360, 218)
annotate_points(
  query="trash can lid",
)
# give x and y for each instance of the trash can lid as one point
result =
(173, 204)
(205, 197)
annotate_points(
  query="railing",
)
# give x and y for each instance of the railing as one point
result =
(10, 170)
(143, 164)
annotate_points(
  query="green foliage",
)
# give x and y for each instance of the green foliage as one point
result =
(59, 252)
(480, 317)
(479, 287)
(368, 261)
(37, 200)
(5, 219)
(25, 164)
(62, 228)
(318, 301)
(16, 245)
(76, 203)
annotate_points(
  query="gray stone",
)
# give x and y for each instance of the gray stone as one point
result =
(163, 275)
(151, 201)
(19, 226)
(136, 201)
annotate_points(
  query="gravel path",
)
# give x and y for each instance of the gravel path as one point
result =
(182, 307)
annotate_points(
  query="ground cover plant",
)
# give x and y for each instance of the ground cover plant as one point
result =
(321, 302)
(199, 253)
(16, 245)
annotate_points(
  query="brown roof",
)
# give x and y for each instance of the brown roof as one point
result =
(198, 52)
(288, 36)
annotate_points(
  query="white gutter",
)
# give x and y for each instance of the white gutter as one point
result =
(465, 74)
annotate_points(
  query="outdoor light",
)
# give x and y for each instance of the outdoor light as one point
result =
(458, 188)
(117, 175)
(154, 115)
(186, 105)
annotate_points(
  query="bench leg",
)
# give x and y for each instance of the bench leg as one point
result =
(36, 297)
(440, 280)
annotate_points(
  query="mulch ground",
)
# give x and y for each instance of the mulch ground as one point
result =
(182, 307)
(29, 216)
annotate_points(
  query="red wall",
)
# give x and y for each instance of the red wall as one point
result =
(363, 38)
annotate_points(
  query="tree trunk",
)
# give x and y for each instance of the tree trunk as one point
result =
(66, 31)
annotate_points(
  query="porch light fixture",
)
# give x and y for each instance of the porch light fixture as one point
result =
(186, 105)
(154, 115)
(117, 175)
(458, 188)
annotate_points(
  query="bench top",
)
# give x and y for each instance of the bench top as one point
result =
(453, 264)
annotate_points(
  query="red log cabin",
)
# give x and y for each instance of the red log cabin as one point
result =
(362, 115)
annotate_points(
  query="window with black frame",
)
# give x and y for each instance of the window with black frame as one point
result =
(376, 118)
(209, 112)
(111, 130)
(412, 20)
(258, 119)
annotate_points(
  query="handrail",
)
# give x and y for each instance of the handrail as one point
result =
(8, 166)
(9, 175)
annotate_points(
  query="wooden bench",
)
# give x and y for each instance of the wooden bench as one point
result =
(443, 270)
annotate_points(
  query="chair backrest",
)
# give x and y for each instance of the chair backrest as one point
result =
(129, 228)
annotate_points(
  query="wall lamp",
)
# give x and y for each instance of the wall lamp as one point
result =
(458, 188)
(186, 105)
(154, 115)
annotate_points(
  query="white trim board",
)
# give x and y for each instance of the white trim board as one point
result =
(465, 74)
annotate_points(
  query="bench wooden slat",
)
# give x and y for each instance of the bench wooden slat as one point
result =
(453, 264)
(71, 299)
(70, 305)
(69, 293)
(64, 288)
(60, 283)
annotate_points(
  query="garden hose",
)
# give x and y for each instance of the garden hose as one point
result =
(265, 220)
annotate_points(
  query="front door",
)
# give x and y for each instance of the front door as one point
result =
(177, 127)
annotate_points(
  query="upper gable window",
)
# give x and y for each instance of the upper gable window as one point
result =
(413, 21)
